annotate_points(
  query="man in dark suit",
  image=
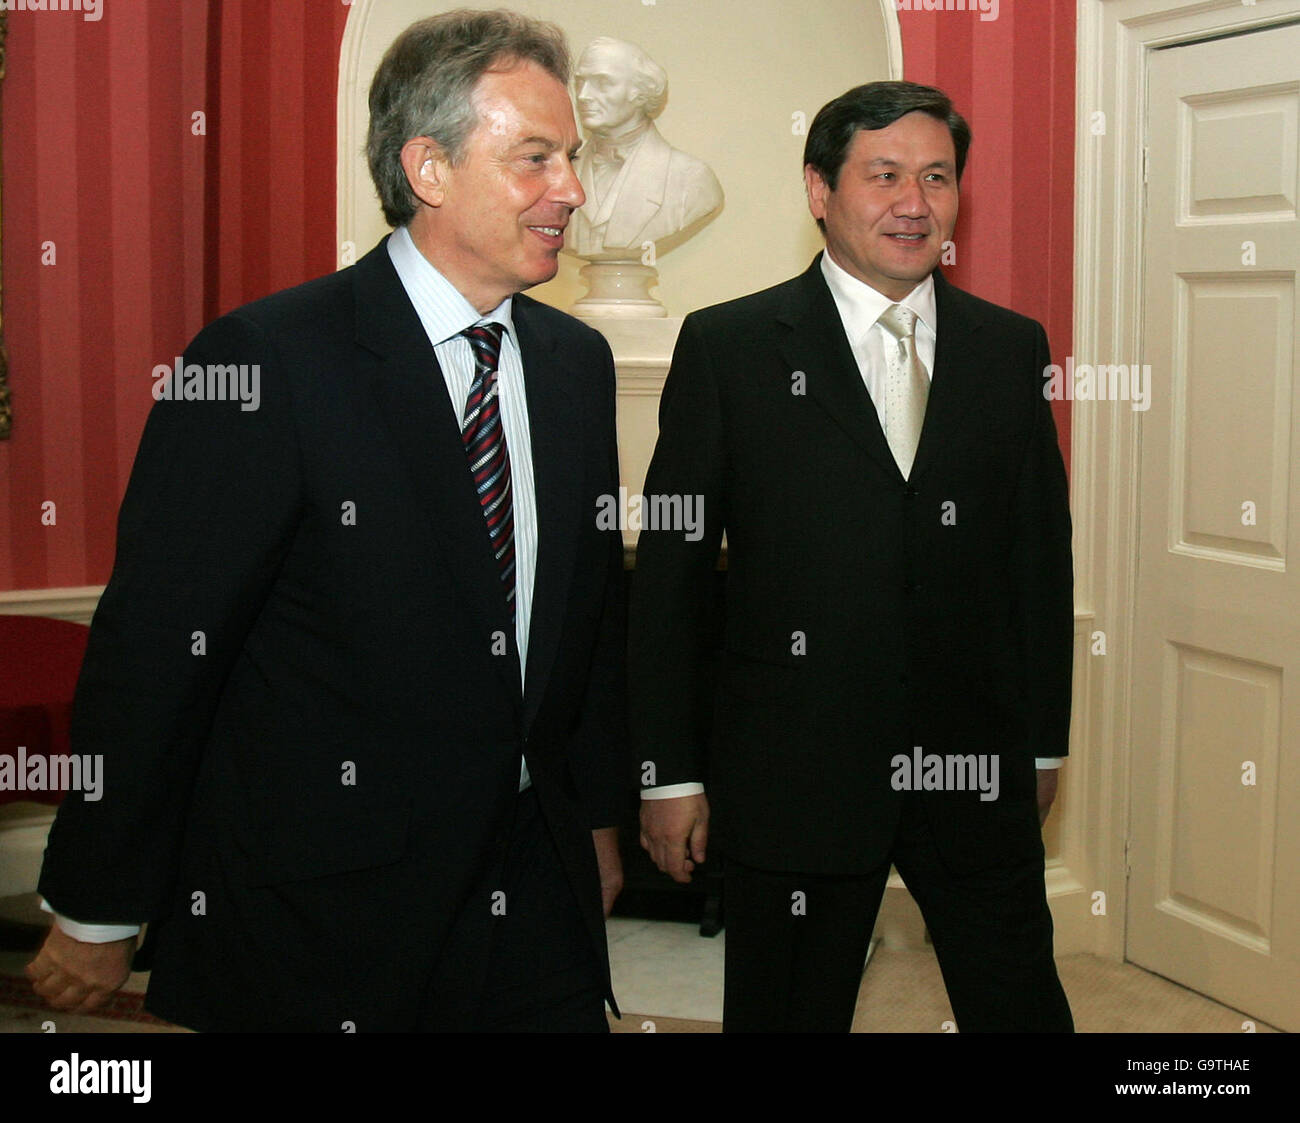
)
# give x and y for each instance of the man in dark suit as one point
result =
(897, 635)
(357, 676)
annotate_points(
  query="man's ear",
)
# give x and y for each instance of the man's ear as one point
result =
(817, 189)
(425, 163)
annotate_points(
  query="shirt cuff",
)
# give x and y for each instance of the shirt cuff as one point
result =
(92, 933)
(1048, 761)
(672, 791)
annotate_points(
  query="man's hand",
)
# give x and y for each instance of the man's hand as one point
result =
(79, 977)
(610, 865)
(1047, 778)
(675, 833)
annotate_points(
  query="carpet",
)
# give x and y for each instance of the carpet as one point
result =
(125, 1006)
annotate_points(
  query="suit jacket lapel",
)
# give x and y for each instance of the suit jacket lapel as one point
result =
(818, 346)
(412, 397)
(959, 363)
(558, 457)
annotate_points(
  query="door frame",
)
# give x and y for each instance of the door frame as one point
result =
(1114, 41)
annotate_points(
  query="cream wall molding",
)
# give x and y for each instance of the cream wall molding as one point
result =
(77, 604)
(893, 38)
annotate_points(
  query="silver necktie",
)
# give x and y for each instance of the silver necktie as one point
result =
(907, 388)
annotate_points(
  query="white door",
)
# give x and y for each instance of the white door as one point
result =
(1214, 843)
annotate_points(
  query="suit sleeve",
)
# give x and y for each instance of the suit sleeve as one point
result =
(599, 749)
(208, 515)
(1043, 573)
(670, 704)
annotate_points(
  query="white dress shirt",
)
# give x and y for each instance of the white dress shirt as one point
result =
(445, 313)
(860, 307)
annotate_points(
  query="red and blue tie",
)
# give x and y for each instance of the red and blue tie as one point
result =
(485, 446)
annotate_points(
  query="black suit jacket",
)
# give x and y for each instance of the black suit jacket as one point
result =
(301, 808)
(859, 621)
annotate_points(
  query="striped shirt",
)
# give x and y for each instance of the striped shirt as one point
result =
(445, 313)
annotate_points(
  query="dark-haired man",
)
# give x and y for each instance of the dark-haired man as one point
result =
(359, 691)
(897, 637)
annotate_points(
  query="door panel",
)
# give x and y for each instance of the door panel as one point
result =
(1214, 889)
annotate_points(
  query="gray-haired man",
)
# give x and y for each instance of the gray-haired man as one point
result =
(370, 802)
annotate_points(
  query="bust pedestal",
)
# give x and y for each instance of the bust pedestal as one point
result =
(619, 290)
(643, 350)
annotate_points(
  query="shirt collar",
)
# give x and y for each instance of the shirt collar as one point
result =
(442, 309)
(861, 305)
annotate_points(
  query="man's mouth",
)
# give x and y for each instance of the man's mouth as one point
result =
(908, 237)
(552, 237)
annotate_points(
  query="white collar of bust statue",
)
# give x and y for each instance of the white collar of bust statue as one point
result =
(617, 149)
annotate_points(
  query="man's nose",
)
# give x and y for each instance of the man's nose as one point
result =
(568, 190)
(911, 198)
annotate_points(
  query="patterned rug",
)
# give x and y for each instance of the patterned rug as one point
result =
(124, 1006)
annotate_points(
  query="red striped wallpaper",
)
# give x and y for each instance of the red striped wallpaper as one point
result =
(156, 229)
(1013, 79)
(157, 224)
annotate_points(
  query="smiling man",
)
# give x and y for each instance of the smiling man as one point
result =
(359, 694)
(875, 445)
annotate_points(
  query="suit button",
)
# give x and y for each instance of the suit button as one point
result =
(909, 492)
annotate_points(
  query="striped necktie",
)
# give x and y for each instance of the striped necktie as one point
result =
(485, 446)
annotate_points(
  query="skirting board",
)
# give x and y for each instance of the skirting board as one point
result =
(77, 604)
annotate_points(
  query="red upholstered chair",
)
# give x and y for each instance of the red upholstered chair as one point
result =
(39, 663)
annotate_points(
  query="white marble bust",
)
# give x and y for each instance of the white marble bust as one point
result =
(639, 187)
